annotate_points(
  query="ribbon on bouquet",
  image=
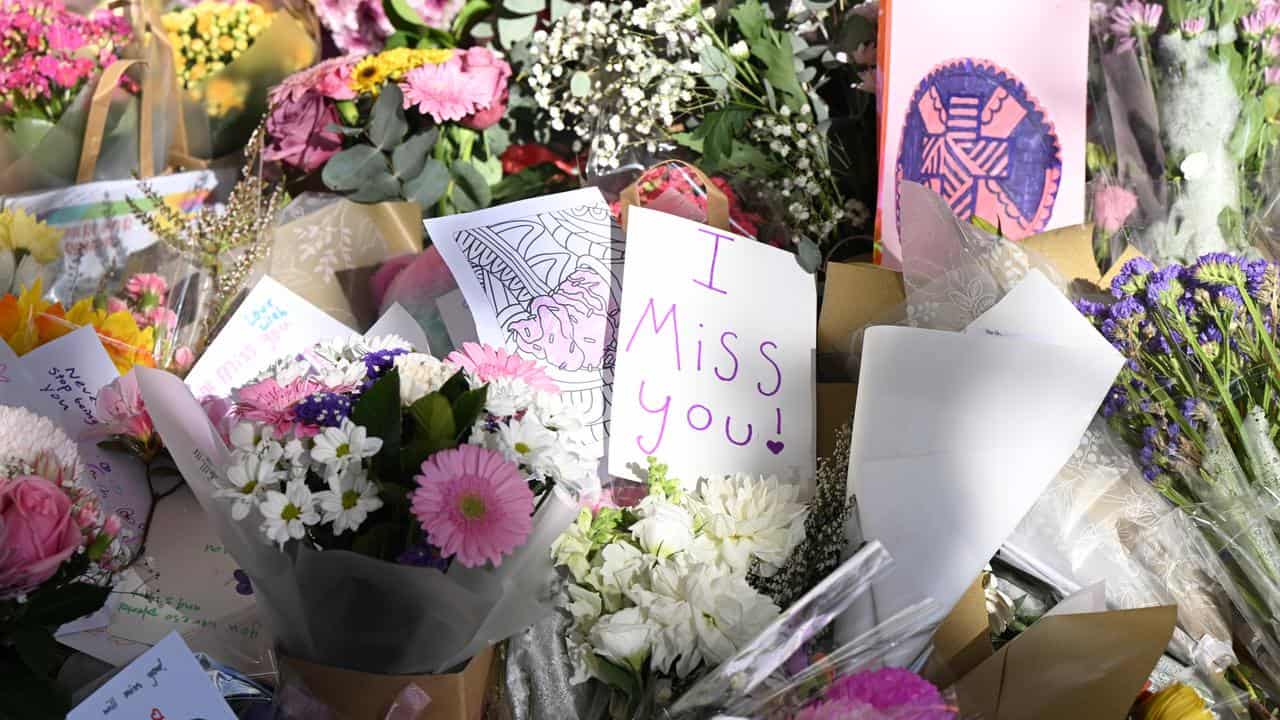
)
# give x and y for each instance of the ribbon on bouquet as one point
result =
(717, 201)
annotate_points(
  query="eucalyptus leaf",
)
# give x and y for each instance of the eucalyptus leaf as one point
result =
(513, 30)
(409, 157)
(580, 84)
(718, 69)
(353, 167)
(808, 255)
(402, 15)
(429, 186)
(344, 130)
(524, 7)
(380, 189)
(387, 123)
(482, 31)
(471, 190)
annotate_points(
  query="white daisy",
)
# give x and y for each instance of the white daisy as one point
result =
(348, 501)
(524, 441)
(288, 513)
(337, 447)
(250, 477)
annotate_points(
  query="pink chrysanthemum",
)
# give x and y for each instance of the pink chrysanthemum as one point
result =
(442, 91)
(489, 363)
(1272, 75)
(267, 401)
(1133, 18)
(892, 688)
(839, 710)
(474, 504)
(331, 79)
(1192, 27)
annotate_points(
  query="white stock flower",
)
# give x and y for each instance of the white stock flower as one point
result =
(584, 605)
(505, 396)
(288, 513)
(348, 501)
(572, 547)
(727, 613)
(663, 528)
(623, 638)
(421, 375)
(335, 448)
(621, 565)
(744, 517)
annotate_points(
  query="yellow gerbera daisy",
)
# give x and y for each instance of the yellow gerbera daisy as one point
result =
(369, 74)
(22, 231)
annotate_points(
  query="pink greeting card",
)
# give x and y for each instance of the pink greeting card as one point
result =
(984, 102)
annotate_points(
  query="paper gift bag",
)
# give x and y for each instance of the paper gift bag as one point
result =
(365, 696)
(328, 255)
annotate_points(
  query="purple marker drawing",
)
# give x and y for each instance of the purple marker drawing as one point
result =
(689, 417)
(662, 428)
(650, 311)
(710, 284)
(729, 434)
(777, 370)
(723, 344)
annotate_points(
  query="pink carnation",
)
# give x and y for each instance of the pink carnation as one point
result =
(1112, 206)
(489, 363)
(361, 26)
(121, 408)
(474, 504)
(892, 688)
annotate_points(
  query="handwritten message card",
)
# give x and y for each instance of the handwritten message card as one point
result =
(987, 108)
(716, 342)
(165, 683)
(271, 322)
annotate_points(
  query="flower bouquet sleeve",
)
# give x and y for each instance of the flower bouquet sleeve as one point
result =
(383, 501)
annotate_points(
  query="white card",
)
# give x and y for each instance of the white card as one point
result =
(66, 375)
(271, 322)
(716, 343)
(165, 683)
(541, 278)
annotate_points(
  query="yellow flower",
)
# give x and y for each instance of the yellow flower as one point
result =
(435, 56)
(399, 61)
(19, 315)
(223, 95)
(21, 231)
(1176, 702)
(369, 74)
(125, 343)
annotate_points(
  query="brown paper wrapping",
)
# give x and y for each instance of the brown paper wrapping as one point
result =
(365, 696)
(329, 255)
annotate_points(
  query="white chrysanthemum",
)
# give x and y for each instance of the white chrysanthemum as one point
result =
(335, 448)
(348, 501)
(744, 517)
(421, 375)
(524, 441)
(288, 514)
(505, 396)
(24, 435)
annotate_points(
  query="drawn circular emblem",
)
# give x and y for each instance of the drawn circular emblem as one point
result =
(974, 135)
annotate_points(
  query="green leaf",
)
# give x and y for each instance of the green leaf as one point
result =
(435, 38)
(689, 140)
(617, 676)
(380, 189)
(454, 386)
(718, 69)
(410, 156)
(379, 541)
(471, 190)
(434, 428)
(353, 167)
(378, 412)
(529, 182)
(403, 16)
(491, 170)
(344, 130)
(524, 7)
(469, 13)
(774, 50)
(751, 19)
(467, 408)
(387, 123)
(37, 648)
(808, 255)
(580, 84)
(718, 130)
(513, 30)
(399, 39)
(747, 157)
(66, 603)
(482, 31)
(429, 186)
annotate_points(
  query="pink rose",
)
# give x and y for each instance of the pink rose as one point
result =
(297, 134)
(385, 275)
(37, 532)
(1112, 206)
(490, 74)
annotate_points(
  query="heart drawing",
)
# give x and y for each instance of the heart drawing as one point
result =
(775, 446)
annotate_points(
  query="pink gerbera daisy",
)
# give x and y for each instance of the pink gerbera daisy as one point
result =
(489, 363)
(441, 91)
(473, 503)
(267, 401)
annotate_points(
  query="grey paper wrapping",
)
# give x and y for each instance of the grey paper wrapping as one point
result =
(351, 611)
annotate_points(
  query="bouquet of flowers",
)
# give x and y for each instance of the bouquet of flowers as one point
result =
(362, 472)
(363, 26)
(59, 555)
(663, 591)
(48, 53)
(1192, 100)
(404, 123)
(624, 80)
(1199, 398)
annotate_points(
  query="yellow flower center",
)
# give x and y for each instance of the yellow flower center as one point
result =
(342, 450)
(291, 512)
(472, 506)
(349, 499)
(522, 448)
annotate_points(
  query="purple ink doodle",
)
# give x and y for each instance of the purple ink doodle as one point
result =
(978, 138)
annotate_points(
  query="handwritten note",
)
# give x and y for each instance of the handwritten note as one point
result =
(165, 683)
(271, 322)
(65, 377)
(715, 369)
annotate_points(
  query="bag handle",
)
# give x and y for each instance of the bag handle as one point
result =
(96, 123)
(717, 202)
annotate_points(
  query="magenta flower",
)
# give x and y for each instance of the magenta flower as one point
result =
(1192, 27)
(889, 689)
(361, 26)
(121, 409)
(331, 79)
(489, 363)
(441, 91)
(1133, 19)
(267, 401)
(489, 74)
(473, 504)
(1272, 75)
(298, 134)
(1112, 206)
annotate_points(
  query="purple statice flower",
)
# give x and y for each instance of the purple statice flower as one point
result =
(423, 554)
(323, 409)
(377, 364)
(1133, 19)
(1216, 270)
(1211, 335)
(1093, 310)
(1151, 472)
(1164, 286)
(1116, 400)
(1192, 27)
(1193, 409)
(1132, 277)
(1156, 346)
(1128, 307)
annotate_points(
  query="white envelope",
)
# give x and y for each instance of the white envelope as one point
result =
(957, 434)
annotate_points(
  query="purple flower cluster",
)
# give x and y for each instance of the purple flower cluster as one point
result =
(1199, 341)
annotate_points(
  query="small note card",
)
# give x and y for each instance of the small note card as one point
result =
(165, 683)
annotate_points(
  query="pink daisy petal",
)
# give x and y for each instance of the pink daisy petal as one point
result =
(490, 363)
(474, 504)
(441, 91)
(267, 401)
